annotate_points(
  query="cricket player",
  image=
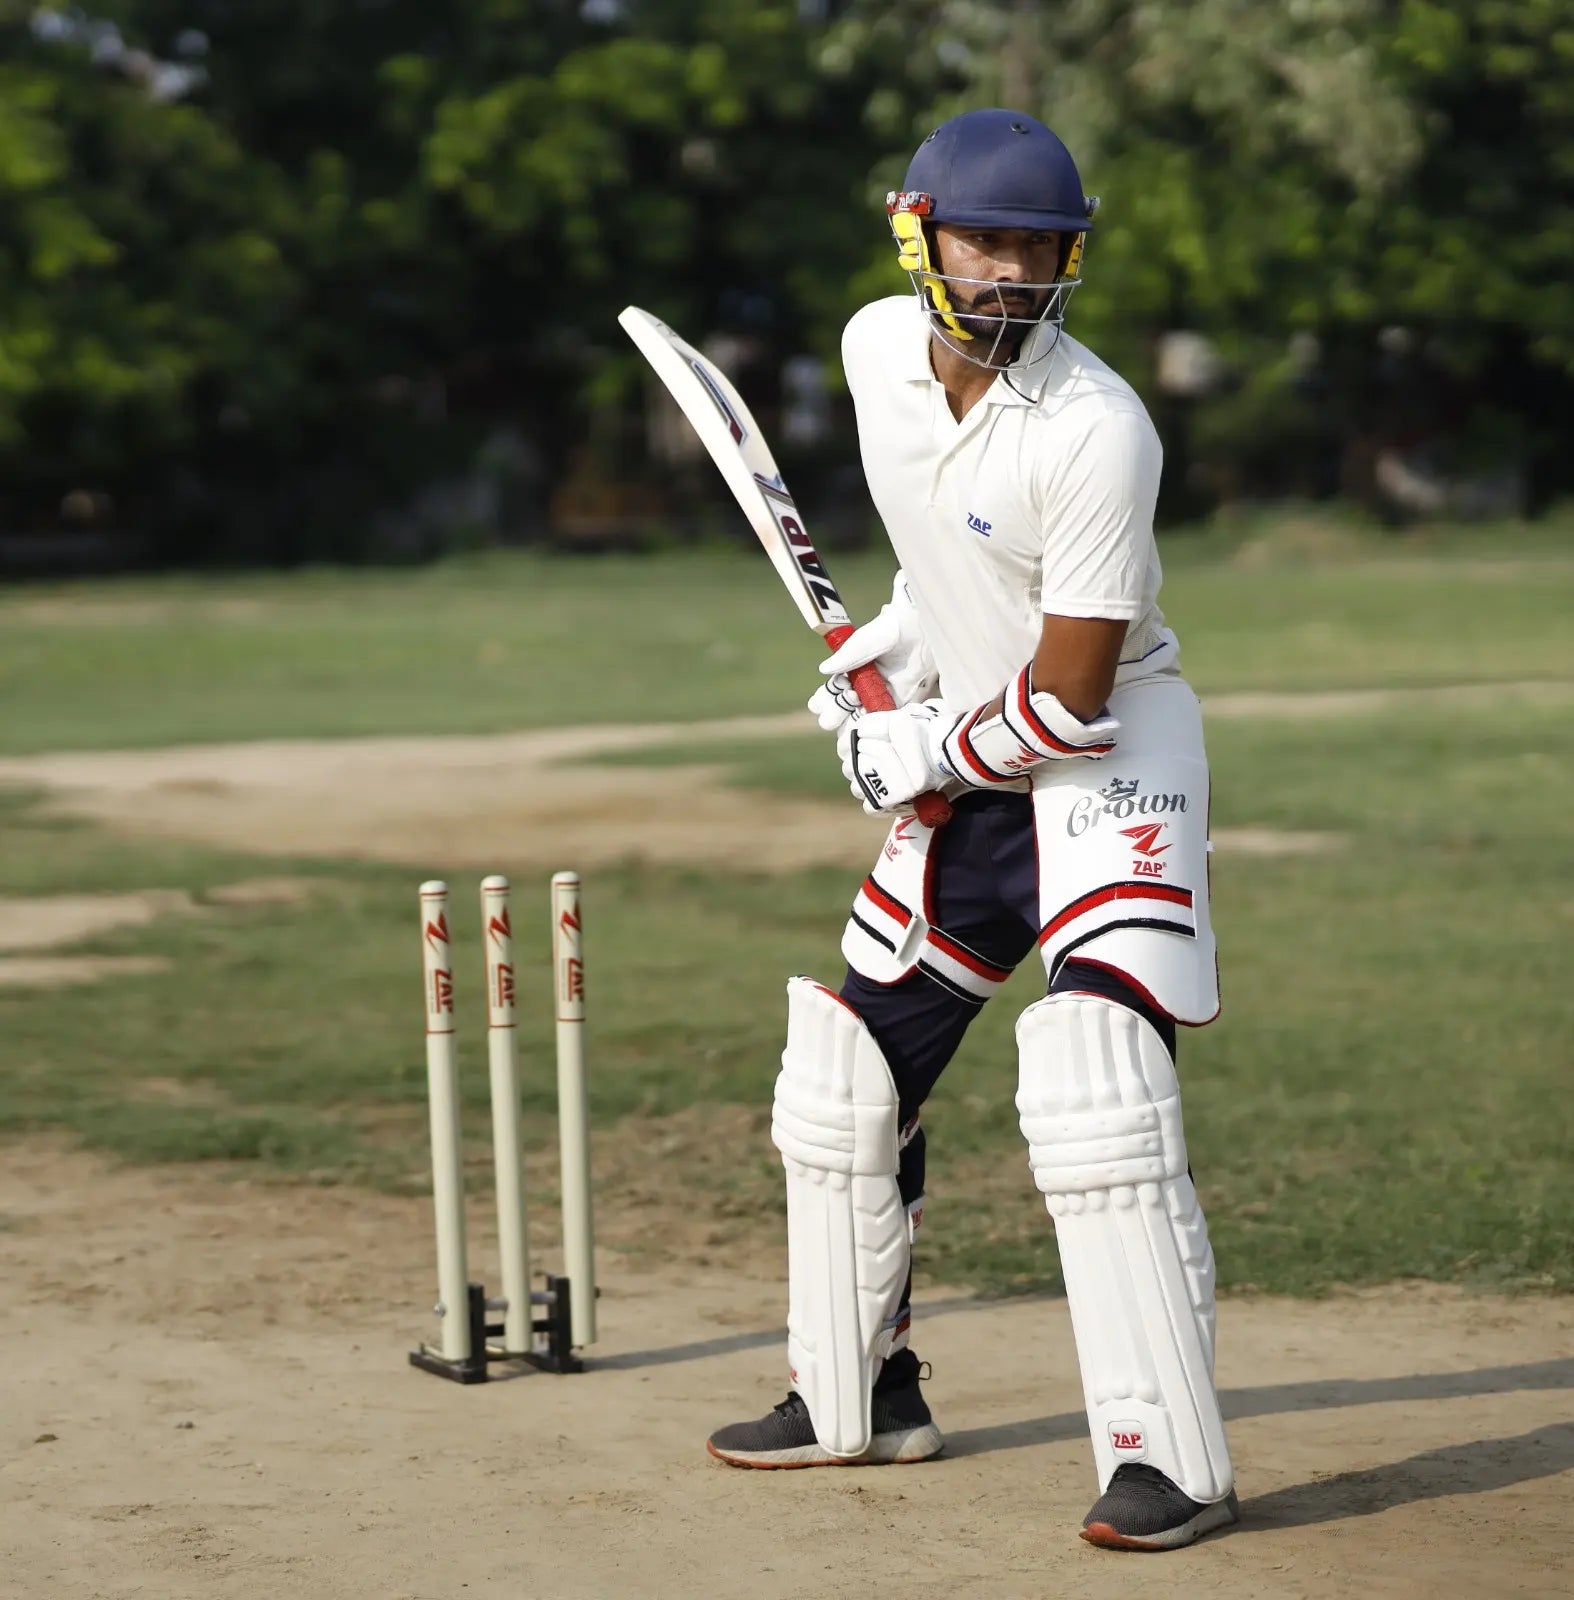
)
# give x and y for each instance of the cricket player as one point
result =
(1039, 689)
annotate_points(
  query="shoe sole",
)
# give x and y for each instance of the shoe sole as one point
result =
(885, 1450)
(1219, 1515)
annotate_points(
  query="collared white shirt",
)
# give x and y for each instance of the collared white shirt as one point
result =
(1039, 500)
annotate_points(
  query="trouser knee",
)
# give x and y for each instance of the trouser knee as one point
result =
(1088, 977)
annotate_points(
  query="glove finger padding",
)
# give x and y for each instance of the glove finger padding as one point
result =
(894, 643)
(908, 681)
(835, 703)
(889, 757)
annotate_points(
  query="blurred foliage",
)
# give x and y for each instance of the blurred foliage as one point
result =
(261, 312)
(1392, 182)
(271, 274)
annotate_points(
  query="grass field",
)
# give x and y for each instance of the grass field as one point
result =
(514, 641)
(1385, 1095)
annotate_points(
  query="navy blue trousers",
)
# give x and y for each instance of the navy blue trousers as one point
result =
(984, 886)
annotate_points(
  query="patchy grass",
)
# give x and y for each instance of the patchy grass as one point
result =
(479, 645)
(510, 640)
(1384, 1096)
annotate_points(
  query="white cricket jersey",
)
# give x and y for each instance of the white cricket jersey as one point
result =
(1039, 500)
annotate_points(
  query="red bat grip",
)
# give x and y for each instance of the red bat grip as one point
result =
(871, 688)
(933, 810)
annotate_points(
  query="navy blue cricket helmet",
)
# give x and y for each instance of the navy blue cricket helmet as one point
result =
(989, 169)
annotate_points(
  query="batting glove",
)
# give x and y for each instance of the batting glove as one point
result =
(888, 757)
(894, 642)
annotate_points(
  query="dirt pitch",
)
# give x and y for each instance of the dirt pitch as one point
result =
(206, 1395)
(206, 1391)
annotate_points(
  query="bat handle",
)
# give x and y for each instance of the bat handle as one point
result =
(874, 694)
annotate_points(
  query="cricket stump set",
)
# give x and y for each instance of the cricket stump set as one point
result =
(467, 1341)
(730, 434)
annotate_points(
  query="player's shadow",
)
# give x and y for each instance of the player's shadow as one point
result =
(1477, 1467)
(696, 1350)
(1474, 1467)
(763, 1338)
(1318, 1394)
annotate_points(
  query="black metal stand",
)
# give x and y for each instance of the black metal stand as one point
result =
(551, 1349)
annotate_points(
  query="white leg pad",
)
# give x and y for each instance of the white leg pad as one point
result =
(835, 1123)
(1100, 1109)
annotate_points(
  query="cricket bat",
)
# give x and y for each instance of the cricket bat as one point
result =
(727, 430)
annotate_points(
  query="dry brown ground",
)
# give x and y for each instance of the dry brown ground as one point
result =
(43, 928)
(205, 1394)
(205, 1390)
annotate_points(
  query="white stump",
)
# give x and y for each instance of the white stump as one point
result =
(442, 1086)
(573, 1111)
(513, 1233)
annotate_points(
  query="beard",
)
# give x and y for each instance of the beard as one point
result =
(984, 317)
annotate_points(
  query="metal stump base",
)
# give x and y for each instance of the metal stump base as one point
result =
(552, 1338)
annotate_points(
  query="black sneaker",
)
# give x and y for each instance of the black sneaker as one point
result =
(1143, 1510)
(903, 1430)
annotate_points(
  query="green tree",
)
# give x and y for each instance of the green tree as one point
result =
(263, 310)
(1326, 170)
(137, 241)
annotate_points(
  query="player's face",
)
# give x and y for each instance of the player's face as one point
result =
(1003, 259)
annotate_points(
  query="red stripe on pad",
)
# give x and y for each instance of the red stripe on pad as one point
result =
(892, 908)
(1036, 723)
(966, 958)
(965, 745)
(1112, 892)
(1042, 730)
(832, 994)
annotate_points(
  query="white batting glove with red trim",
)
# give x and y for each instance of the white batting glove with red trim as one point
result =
(889, 757)
(894, 642)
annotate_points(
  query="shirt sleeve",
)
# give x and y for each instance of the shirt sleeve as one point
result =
(1098, 521)
(855, 349)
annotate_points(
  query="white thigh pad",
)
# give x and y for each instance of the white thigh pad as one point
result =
(835, 1123)
(889, 937)
(1100, 1109)
(1123, 854)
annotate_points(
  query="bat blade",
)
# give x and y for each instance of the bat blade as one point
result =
(732, 437)
(726, 428)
